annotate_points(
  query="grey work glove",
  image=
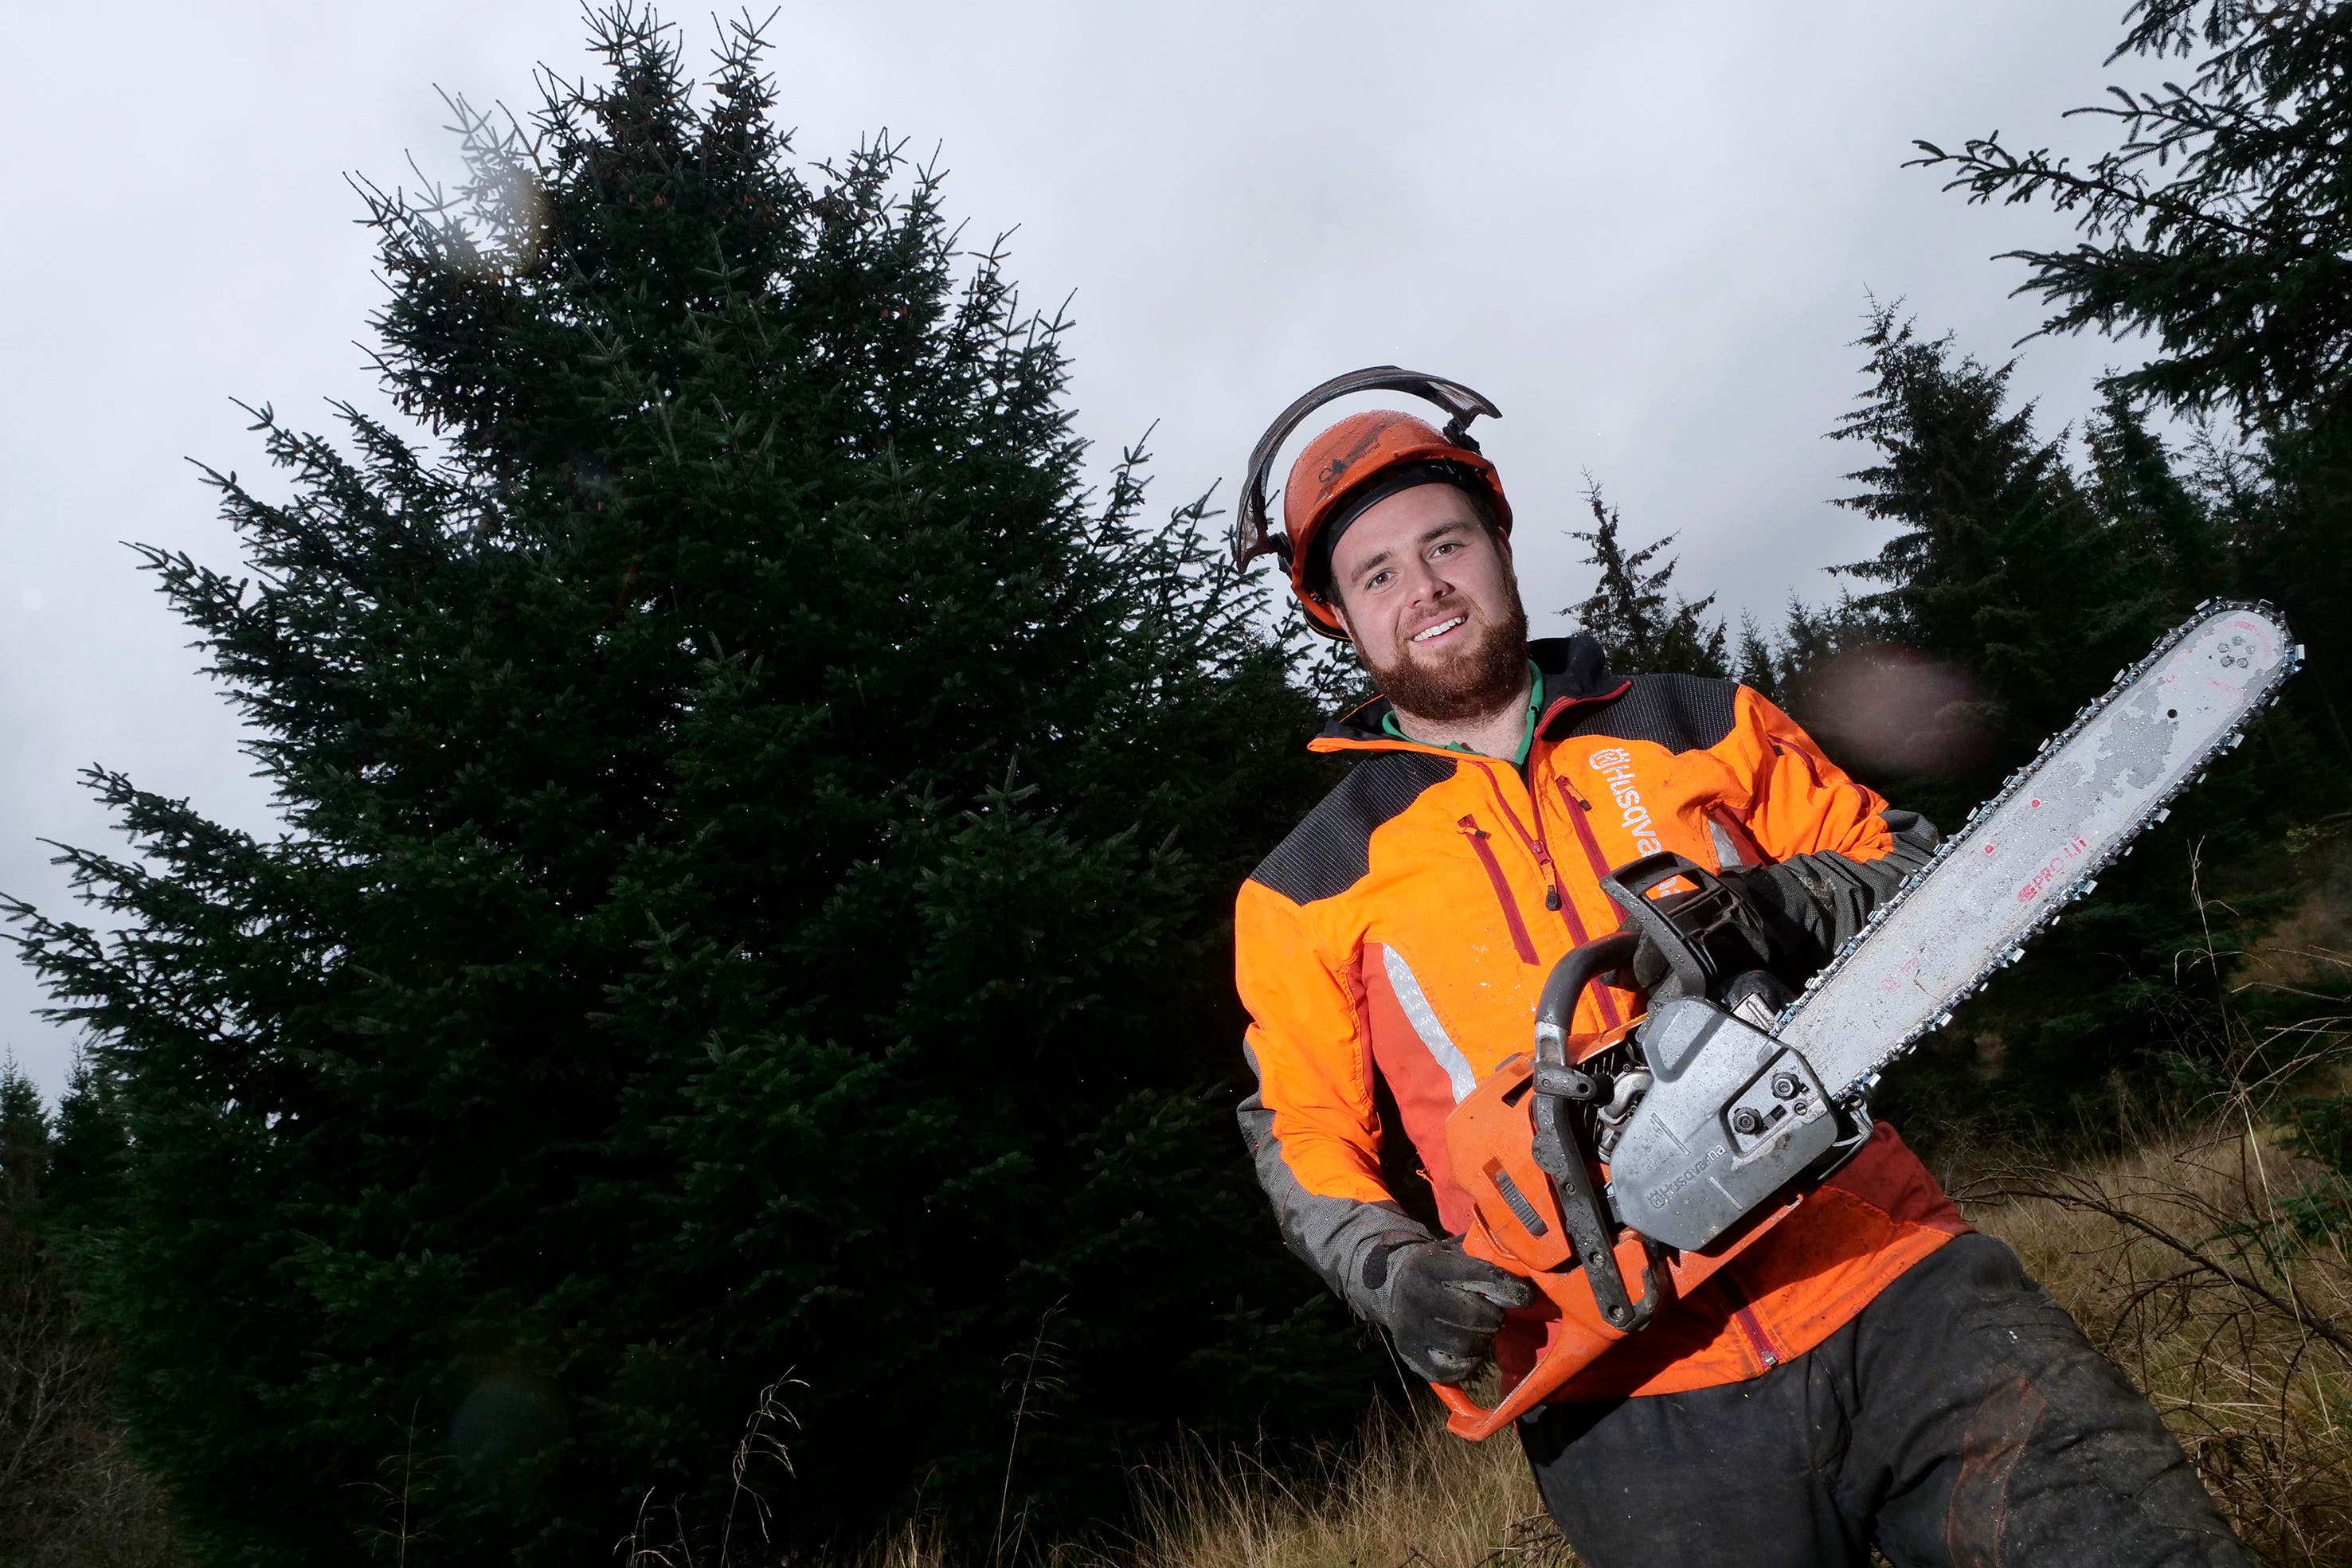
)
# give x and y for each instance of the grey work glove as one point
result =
(1442, 1306)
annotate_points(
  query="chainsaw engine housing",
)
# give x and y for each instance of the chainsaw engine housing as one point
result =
(1730, 1117)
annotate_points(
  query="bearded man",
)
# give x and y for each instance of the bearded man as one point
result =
(1869, 1373)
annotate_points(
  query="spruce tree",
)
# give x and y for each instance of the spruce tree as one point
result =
(2042, 582)
(752, 911)
(2167, 550)
(1810, 635)
(1994, 561)
(1757, 665)
(1629, 610)
(2220, 221)
(44, 1363)
(2285, 508)
(2215, 231)
(70, 1496)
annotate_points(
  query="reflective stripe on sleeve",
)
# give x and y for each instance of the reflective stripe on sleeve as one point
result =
(1424, 1018)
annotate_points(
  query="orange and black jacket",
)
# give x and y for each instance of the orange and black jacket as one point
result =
(1391, 949)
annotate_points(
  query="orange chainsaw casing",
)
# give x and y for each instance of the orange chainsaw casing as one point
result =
(1517, 1226)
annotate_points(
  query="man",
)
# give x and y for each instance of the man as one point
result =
(1869, 1374)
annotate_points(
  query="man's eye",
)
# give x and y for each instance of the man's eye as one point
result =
(1380, 579)
(1448, 547)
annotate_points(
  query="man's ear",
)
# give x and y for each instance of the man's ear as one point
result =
(1338, 613)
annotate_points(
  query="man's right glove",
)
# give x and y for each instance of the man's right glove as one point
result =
(1442, 1306)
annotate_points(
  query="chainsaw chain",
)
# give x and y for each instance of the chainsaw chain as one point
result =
(1853, 1094)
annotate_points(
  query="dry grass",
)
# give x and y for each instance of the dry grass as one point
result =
(1406, 1493)
(2197, 1262)
(2178, 1259)
(2185, 1262)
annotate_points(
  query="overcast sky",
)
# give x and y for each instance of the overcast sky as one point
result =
(1645, 231)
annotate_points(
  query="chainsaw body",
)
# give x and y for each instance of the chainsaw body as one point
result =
(1619, 1171)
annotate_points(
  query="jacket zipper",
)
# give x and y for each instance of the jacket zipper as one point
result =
(1751, 1327)
(1812, 772)
(1520, 937)
(1577, 806)
(1533, 841)
(1555, 898)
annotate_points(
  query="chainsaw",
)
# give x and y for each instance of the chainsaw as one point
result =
(1619, 1170)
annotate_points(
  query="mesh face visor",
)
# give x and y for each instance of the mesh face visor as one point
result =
(1336, 499)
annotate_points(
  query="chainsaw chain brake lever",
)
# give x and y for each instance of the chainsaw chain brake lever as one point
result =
(1560, 1148)
(1705, 934)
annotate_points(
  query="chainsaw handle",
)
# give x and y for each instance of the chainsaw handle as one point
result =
(1555, 1007)
(1576, 1344)
(1558, 1148)
(1629, 887)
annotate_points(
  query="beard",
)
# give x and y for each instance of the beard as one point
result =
(1463, 684)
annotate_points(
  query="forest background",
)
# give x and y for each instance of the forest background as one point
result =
(750, 933)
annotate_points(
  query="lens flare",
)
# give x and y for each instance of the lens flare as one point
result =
(1890, 710)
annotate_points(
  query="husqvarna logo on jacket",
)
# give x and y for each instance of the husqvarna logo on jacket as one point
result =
(1615, 766)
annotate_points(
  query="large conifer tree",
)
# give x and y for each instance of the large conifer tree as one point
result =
(2039, 581)
(1992, 561)
(752, 899)
(2212, 237)
(2219, 224)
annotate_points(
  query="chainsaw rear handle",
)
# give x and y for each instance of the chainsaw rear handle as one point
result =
(1560, 1149)
(1706, 935)
(1629, 887)
(1577, 1341)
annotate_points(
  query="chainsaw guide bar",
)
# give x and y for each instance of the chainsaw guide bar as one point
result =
(2039, 844)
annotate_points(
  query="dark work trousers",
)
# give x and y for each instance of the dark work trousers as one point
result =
(1960, 1419)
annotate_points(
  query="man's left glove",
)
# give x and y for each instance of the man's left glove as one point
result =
(1441, 1305)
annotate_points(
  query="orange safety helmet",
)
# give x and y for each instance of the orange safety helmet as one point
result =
(1339, 470)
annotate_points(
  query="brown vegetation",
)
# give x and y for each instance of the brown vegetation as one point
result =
(1408, 1494)
(2191, 1261)
(2200, 1261)
(70, 1494)
(2212, 1260)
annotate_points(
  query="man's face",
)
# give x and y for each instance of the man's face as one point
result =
(1425, 591)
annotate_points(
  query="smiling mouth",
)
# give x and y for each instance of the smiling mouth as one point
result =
(1428, 634)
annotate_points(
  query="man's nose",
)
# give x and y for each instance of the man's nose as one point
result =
(1427, 584)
